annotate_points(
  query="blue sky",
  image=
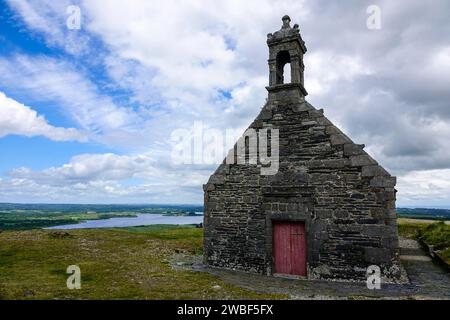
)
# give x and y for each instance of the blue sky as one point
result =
(86, 115)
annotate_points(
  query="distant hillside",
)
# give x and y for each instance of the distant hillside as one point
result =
(424, 213)
(15, 216)
(99, 208)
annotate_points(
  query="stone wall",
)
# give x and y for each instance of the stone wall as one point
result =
(345, 198)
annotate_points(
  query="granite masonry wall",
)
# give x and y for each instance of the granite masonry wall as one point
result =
(344, 197)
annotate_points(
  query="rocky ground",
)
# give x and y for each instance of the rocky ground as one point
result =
(426, 280)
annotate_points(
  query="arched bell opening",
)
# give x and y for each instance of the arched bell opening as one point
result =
(282, 64)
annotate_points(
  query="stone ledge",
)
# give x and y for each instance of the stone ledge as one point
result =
(352, 149)
(362, 160)
(265, 115)
(286, 87)
(208, 187)
(383, 182)
(316, 113)
(434, 255)
(339, 139)
(374, 170)
(331, 129)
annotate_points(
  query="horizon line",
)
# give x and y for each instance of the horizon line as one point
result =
(107, 204)
(187, 204)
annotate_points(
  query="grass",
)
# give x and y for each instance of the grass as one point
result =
(126, 263)
(410, 230)
(438, 235)
(131, 263)
(435, 234)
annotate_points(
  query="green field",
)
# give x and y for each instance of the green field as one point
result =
(127, 263)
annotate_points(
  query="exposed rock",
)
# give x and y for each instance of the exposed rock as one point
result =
(59, 235)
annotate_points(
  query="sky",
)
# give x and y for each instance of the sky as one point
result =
(91, 92)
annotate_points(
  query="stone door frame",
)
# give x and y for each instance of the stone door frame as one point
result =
(286, 217)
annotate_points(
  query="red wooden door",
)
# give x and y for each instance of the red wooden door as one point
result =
(289, 248)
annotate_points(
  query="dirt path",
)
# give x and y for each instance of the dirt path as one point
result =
(427, 281)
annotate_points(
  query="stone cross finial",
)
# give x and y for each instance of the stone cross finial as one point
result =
(286, 22)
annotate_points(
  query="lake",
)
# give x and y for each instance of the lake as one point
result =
(140, 220)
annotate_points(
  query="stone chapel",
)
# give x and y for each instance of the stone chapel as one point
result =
(327, 213)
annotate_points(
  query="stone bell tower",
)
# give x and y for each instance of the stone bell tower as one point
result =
(286, 46)
(327, 212)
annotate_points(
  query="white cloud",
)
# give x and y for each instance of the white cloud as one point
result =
(174, 58)
(182, 52)
(18, 119)
(189, 50)
(326, 70)
(49, 18)
(91, 167)
(105, 178)
(424, 187)
(51, 80)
